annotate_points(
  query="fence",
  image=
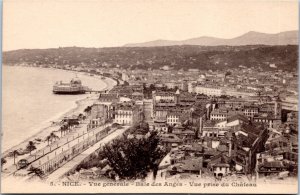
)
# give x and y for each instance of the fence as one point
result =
(67, 155)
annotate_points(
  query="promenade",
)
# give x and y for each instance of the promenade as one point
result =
(57, 154)
(59, 173)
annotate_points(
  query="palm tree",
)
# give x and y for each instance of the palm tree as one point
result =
(73, 123)
(62, 130)
(53, 136)
(87, 110)
(3, 161)
(80, 117)
(31, 146)
(14, 154)
(66, 125)
(48, 138)
(36, 171)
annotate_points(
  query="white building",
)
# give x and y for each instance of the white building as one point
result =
(125, 77)
(210, 91)
(219, 128)
(127, 114)
(163, 97)
(238, 93)
(221, 169)
(173, 118)
(191, 87)
(218, 114)
(124, 117)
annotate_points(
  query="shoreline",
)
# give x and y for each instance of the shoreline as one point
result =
(46, 127)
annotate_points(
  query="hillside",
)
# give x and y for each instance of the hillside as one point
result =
(250, 38)
(177, 57)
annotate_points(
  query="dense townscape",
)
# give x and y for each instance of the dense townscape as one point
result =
(234, 124)
(241, 123)
(150, 96)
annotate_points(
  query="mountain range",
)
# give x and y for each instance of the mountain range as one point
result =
(250, 38)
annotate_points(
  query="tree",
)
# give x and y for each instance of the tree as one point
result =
(87, 110)
(170, 128)
(53, 136)
(132, 158)
(80, 117)
(14, 154)
(31, 146)
(73, 123)
(3, 161)
(36, 171)
(62, 130)
(144, 127)
(50, 137)
(66, 125)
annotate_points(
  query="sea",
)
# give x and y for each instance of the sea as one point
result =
(29, 104)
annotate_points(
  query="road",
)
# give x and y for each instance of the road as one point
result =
(43, 155)
(56, 175)
(78, 131)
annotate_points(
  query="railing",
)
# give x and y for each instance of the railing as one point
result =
(64, 157)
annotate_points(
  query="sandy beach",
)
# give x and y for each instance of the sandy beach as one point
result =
(50, 126)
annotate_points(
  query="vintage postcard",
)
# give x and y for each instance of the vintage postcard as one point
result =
(132, 96)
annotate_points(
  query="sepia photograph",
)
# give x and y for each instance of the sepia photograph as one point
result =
(156, 96)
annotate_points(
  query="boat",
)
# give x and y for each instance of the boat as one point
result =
(73, 87)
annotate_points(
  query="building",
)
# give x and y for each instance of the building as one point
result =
(267, 118)
(221, 169)
(94, 123)
(248, 140)
(250, 110)
(99, 110)
(163, 97)
(187, 135)
(137, 96)
(99, 115)
(185, 99)
(223, 114)
(170, 141)
(125, 77)
(148, 109)
(159, 126)
(128, 113)
(109, 97)
(184, 86)
(160, 113)
(239, 93)
(173, 118)
(208, 90)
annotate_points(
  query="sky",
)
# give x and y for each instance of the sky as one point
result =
(109, 23)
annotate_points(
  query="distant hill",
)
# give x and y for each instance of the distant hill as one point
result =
(285, 57)
(250, 38)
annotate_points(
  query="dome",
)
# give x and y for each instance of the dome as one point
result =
(76, 81)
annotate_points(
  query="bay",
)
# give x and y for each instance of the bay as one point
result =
(28, 103)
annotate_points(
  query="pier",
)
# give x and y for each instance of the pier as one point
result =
(96, 91)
